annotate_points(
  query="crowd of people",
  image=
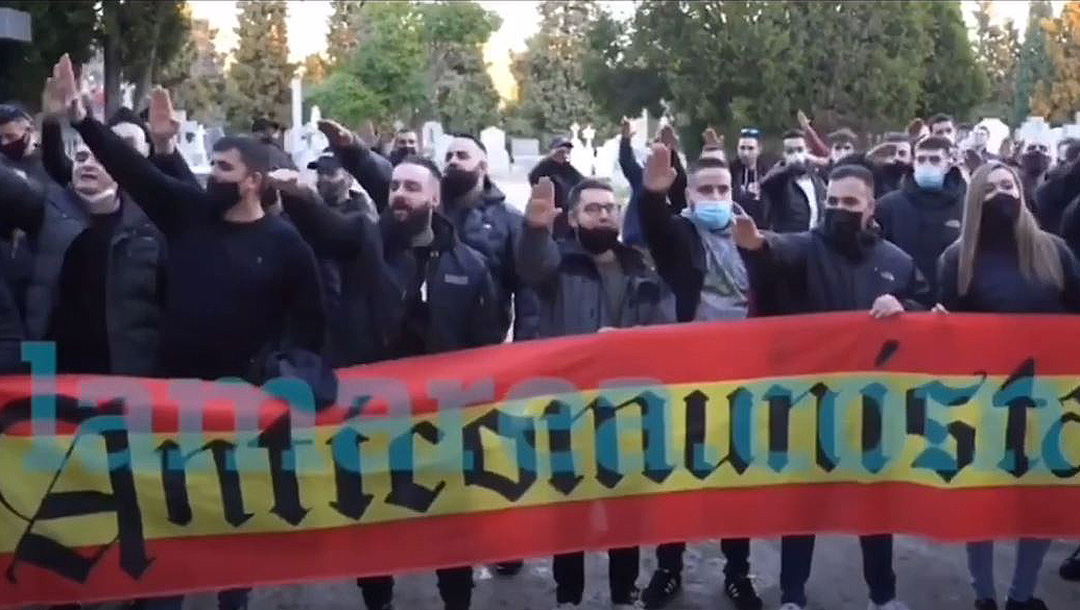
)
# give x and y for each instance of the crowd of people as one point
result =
(133, 267)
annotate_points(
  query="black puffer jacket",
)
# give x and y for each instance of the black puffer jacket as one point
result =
(572, 299)
(923, 222)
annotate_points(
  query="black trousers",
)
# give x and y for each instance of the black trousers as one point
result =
(797, 553)
(736, 551)
(623, 566)
(455, 589)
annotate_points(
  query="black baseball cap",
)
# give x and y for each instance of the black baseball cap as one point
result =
(561, 142)
(325, 163)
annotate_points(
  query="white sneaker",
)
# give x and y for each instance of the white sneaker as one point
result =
(791, 606)
(891, 605)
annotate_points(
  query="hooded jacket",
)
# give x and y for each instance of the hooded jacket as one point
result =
(819, 279)
(572, 298)
(742, 176)
(785, 208)
(923, 222)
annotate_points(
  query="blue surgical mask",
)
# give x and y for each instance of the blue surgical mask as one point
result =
(714, 214)
(929, 177)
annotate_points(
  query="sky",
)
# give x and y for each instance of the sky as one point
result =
(308, 24)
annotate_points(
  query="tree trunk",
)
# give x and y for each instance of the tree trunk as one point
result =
(111, 51)
(146, 79)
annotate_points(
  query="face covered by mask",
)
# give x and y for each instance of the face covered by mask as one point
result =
(16, 150)
(713, 214)
(598, 240)
(222, 194)
(456, 182)
(930, 177)
(999, 215)
(399, 154)
(1035, 163)
(844, 231)
(795, 160)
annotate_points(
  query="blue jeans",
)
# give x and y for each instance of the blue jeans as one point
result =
(1029, 558)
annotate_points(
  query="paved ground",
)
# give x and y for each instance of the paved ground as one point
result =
(931, 577)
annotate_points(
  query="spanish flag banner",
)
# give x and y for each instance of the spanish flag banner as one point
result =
(956, 427)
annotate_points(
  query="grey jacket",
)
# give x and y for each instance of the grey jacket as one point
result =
(569, 288)
(53, 218)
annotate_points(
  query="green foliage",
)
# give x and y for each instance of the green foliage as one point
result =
(196, 76)
(343, 25)
(998, 52)
(414, 61)
(259, 78)
(1035, 65)
(149, 36)
(552, 89)
(1058, 97)
(57, 28)
(952, 81)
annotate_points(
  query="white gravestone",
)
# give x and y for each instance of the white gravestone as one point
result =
(494, 140)
(526, 153)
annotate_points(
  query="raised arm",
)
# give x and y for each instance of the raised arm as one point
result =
(53, 158)
(817, 146)
(360, 162)
(668, 246)
(631, 169)
(330, 233)
(536, 255)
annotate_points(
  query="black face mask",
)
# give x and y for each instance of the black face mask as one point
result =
(895, 171)
(1035, 163)
(456, 182)
(598, 240)
(999, 214)
(16, 150)
(222, 194)
(399, 154)
(843, 230)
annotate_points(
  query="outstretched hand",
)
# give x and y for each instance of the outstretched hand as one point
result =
(540, 212)
(626, 128)
(336, 134)
(745, 232)
(61, 95)
(162, 123)
(668, 137)
(711, 138)
(658, 175)
(287, 181)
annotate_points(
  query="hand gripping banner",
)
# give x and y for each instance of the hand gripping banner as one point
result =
(949, 426)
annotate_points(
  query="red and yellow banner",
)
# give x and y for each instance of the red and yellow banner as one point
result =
(954, 427)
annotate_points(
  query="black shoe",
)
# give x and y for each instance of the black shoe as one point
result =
(741, 593)
(664, 585)
(508, 568)
(1031, 604)
(985, 604)
(1070, 570)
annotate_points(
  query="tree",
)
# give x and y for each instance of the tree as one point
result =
(415, 60)
(998, 51)
(1058, 96)
(552, 92)
(314, 69)
(1034, 65)
(616, 78)
(343, 24)
(952, 81)
(196, 76)
(260, 76)
(57, 28)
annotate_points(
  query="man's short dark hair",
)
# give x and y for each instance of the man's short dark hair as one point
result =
(469, 136)
(940, 117)
(793, 133)
(263, 123)
(253, 153)
(1072, 148)
(896, 137)
(843, 136)
(425, 163)
(858, 172)
(124, 114)
(706, 163)
(13, 112)
(934, 143)
(585, 185)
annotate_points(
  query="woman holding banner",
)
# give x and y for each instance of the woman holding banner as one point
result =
(1004, 263)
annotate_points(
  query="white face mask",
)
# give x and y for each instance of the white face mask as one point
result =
(795, 158)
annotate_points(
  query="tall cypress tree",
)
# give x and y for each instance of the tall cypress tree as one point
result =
(260, 74)
(1057, 96)
(1034, 65)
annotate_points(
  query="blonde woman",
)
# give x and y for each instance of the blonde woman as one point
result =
(1004, 263)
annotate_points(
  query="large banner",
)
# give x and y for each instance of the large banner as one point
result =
(948, 426)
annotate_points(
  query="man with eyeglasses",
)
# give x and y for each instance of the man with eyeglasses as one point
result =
(924, 216)
(747, 171)
(587, 282)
